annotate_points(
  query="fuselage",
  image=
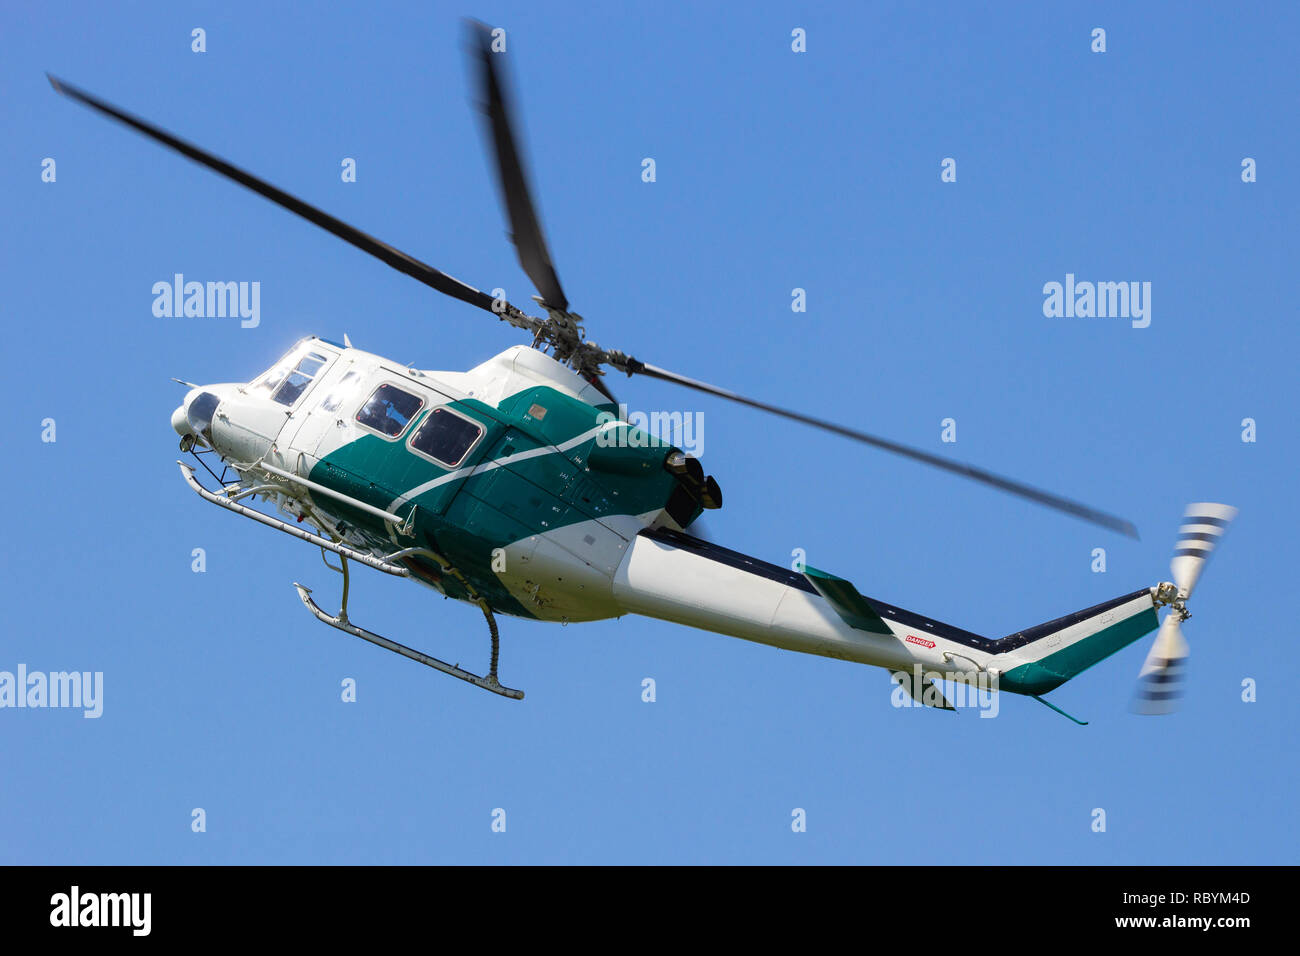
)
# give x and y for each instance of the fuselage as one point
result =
(518, 471)
(521, 477)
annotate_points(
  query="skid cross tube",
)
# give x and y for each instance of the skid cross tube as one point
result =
(342, 550)
(403, 525)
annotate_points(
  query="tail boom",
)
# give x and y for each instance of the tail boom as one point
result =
(675, 577)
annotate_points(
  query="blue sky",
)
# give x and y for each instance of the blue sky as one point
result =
(775, 170)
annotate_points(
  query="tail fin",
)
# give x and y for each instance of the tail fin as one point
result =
(1043, 658)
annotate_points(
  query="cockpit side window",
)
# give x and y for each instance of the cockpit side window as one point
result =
(446, 437)
(296, 382)
(389, 410)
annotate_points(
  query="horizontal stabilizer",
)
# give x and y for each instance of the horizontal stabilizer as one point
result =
(847, 602)
(921, 690)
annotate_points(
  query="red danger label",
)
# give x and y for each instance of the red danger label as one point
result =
(913, 639)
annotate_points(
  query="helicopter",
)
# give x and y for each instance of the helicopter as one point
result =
(520, 487)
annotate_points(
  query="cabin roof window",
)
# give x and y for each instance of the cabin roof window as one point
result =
(446, 437)
(389, 410)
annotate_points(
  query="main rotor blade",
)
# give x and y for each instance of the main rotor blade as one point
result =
(526, 230)
(967, 471)
(380, 250)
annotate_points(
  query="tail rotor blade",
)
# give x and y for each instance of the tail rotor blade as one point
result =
(1162, 680)
(1164, 672)
(1203, 526)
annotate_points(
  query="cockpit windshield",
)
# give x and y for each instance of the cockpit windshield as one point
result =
(289, 377)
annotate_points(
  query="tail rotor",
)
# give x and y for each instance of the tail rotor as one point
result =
(1162, 678)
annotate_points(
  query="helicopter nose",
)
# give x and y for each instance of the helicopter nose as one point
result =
(194, 415)
(180, 424)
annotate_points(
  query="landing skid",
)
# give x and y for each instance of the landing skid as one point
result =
(341, 622)
(388, 564)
